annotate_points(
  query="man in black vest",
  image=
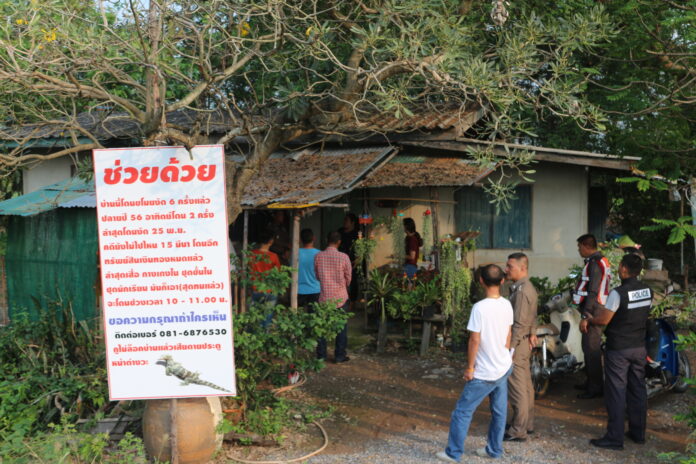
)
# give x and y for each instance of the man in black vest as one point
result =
(625, 315)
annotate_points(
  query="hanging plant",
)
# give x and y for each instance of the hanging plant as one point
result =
(455, 285)
(396, 229)
(427, 232)
(363, 248)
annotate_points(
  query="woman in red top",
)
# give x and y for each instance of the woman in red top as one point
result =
(413, 244)
(262, 261)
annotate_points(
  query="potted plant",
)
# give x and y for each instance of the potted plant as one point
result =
(381, 286)
(427, 296)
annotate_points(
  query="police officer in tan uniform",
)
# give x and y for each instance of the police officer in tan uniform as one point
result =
(523, 297)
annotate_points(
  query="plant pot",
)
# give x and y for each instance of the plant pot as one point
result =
(196, 429)
(429, 311)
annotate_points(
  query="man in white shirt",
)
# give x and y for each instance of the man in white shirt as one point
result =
(489, 366)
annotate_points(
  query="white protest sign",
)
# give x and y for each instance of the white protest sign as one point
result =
(165, 273)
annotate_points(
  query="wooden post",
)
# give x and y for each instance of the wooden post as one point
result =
(245, 244)
(173, 432)
(295, 260)
(435, 208)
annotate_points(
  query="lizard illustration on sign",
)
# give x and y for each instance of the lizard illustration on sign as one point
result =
(172, 367)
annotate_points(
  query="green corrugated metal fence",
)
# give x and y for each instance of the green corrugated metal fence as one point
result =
(50, 256)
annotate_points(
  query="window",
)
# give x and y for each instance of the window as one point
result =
(509, 229)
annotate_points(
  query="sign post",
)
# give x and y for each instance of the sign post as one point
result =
(165, 272)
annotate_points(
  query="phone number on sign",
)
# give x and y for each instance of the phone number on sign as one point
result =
(192, 332)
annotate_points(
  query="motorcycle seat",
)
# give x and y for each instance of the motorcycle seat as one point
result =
(547, 329)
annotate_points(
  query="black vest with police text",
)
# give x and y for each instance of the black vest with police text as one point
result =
(628, 326)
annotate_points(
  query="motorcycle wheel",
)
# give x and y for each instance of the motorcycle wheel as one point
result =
(681, 385)
(539, 381)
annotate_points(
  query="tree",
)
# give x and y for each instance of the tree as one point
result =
(275, 70)
(644, 80)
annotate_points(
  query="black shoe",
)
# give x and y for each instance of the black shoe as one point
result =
(342, 360)
(590, 395)
(507, 437)
(634, 439)
(580, 386)
(606, 444)
(530, 432)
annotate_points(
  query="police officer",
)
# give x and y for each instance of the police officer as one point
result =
(625, 315)
(591, 291)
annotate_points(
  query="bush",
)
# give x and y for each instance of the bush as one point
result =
(51, 370)
(288, 343)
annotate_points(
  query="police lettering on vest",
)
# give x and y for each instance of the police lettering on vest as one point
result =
(628, 326)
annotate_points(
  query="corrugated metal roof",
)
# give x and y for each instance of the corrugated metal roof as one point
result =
(47, 198)
(311, 177)
(88, 200)
(109, 125)
(426, 171)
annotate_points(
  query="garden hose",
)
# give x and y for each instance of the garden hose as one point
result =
(307, 456)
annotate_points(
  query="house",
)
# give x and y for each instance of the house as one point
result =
(420, 163)
(544, 220)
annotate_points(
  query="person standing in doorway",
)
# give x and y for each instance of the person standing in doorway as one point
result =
(413, 242)
(523, 297)
(626, 317)
(261, 261)
(590, 292)
(333, 270)
(349, 234)
(489, 366)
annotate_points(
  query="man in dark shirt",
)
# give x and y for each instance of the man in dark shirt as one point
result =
(349, 234)
(592, 290)
(625, 315)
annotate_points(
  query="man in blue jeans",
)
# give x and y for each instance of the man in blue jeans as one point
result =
(489, 365)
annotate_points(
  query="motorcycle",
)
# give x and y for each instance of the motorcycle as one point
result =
(559, 350)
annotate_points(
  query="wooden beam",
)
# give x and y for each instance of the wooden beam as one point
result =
(243, 271)
(295, 260)
(435, 210)
(578, 158)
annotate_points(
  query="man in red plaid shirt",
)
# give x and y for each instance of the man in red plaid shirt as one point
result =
(333, 270)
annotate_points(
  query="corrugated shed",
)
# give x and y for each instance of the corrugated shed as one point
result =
(426, 171)
(46, 199)
(302, 178)
(53, 257)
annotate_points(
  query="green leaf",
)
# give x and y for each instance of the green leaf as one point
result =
(677, 235)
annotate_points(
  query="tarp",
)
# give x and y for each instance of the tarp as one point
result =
(53, 256)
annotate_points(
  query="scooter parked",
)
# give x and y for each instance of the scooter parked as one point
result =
(559, 350)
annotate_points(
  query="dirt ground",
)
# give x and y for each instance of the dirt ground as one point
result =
(399, 397)
(399, 394)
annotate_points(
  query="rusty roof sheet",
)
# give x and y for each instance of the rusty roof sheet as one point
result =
(426, 171)
(304, 178)
(424, 119)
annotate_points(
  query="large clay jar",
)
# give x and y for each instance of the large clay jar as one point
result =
(196, 419)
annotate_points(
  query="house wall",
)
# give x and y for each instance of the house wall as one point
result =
(46, 173)
(559, 216)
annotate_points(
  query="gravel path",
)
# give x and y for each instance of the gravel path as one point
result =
(420, 448)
